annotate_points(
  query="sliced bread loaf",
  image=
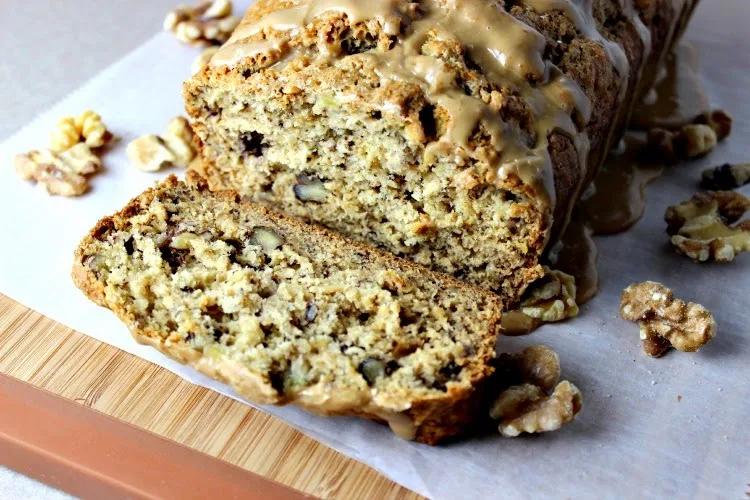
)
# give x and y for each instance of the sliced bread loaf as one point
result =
(290, 313)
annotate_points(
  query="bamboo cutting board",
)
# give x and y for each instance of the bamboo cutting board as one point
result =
(50, 356)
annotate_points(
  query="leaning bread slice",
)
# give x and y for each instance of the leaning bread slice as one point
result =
(290, 313)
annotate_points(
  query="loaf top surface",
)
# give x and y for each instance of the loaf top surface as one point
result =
(490, 66)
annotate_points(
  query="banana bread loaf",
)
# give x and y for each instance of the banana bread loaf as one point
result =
(457, 133)
(289, 313)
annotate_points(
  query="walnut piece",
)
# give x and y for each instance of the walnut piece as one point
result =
(87, 127)
(526, 408)
(701, 227)
(151, 153)
(59, 173)
(549, 299)
(726, 177)
(664, 320)
(203, 59)
(691, 141)
(208, 23)
(719, 120)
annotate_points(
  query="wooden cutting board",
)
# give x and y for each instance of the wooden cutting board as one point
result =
(50, 356)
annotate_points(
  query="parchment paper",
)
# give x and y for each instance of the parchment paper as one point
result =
(634, 439)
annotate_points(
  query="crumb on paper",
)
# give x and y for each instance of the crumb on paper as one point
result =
(151, 153)
(664, 320)
(549, 299)
(726, 177)
(63, 173)
(701, 227)
(86, 127)
(526, 405)
(679, 398)
(208, 23)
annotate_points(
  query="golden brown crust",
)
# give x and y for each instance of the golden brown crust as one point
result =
(433, 418)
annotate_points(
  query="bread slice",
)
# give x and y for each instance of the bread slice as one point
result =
(290, 313)
(455, 134)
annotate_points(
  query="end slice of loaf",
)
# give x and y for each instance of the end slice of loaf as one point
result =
(289, 313)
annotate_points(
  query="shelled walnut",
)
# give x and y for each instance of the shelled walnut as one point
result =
(208, 23)
(691, 141)
(665, 321)
(726, 177)
(59, 173)
(549, 299)
(87, 127)
(525, 405)
(151, 153)
(701, 227)
(719, 120)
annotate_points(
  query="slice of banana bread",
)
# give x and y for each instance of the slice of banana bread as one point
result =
(455, 133)
(290, 313)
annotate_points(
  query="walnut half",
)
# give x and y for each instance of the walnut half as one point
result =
(549, 299)
(525, 406)
(664, 320)
(59, 173)
(700, 227)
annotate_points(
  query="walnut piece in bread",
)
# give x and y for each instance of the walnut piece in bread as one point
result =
(664, 320)
(701, 227)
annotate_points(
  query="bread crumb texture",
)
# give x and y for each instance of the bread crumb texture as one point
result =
(288, 313)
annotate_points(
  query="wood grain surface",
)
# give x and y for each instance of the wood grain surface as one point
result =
(53, 357)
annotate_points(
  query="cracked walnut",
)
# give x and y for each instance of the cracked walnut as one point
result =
(700, 227)
(664, 320)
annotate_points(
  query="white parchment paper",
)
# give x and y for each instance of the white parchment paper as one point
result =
(634, 439)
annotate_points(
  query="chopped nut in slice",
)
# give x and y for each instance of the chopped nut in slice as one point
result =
(664, 320)
(549, 299)
(726, 177)
(700, 227)
(266, 238)
(691, 141)
(59, 173)
(208, 23)
(310, 189)
(87, 127)
(150, 153)
(719, 120)
(528, 411)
